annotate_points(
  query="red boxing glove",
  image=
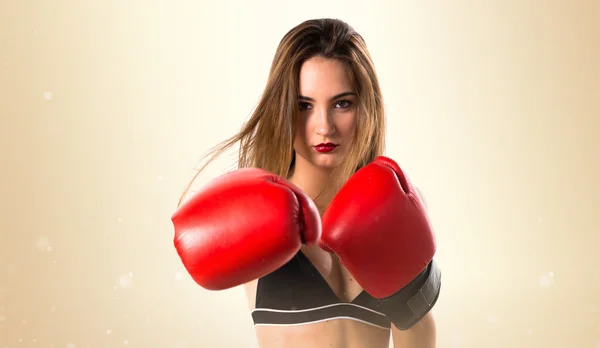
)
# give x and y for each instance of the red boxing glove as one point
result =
(243, 225)
(378, 227)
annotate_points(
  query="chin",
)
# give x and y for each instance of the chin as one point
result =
(326, 161)
(319, 160)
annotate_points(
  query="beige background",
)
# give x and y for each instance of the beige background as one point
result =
(107, 106)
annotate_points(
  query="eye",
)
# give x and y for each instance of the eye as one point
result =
(303, 106)
(344, 104)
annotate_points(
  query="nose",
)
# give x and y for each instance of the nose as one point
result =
(325, 126)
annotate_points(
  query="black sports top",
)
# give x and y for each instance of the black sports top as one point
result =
(297, 294)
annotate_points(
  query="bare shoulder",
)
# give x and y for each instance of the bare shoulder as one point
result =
(421, 195)
(250, 289)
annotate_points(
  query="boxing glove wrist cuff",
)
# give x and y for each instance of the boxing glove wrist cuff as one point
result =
(409, 305)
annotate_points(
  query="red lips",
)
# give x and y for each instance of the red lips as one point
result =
(325, 147)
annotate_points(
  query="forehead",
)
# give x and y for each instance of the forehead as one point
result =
(324, 77)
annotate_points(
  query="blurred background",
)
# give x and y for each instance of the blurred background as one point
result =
(493, 109)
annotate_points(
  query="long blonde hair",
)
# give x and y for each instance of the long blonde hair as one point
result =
(266, 139)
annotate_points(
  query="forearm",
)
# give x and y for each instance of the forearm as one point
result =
(410, 310)
(421, 335)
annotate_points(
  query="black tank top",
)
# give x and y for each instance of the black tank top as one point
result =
(297, 294)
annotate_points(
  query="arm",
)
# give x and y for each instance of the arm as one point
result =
(378, 226)
(421, 335)
(420, 193)
(250, 289)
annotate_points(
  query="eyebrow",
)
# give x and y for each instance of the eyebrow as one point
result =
(301, 97)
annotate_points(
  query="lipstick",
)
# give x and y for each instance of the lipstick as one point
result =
(325, 147)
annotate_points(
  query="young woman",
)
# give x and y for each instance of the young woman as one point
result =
(329, 238)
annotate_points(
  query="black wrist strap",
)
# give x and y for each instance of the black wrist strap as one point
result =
(409, 305)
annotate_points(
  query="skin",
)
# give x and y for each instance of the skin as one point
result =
(327, 114)
(326, 118)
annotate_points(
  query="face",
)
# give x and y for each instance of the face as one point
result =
(327, 113)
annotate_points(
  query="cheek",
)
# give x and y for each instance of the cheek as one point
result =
(300, 134)
(348, 125)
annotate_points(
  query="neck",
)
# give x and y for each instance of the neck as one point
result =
(312, 180)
